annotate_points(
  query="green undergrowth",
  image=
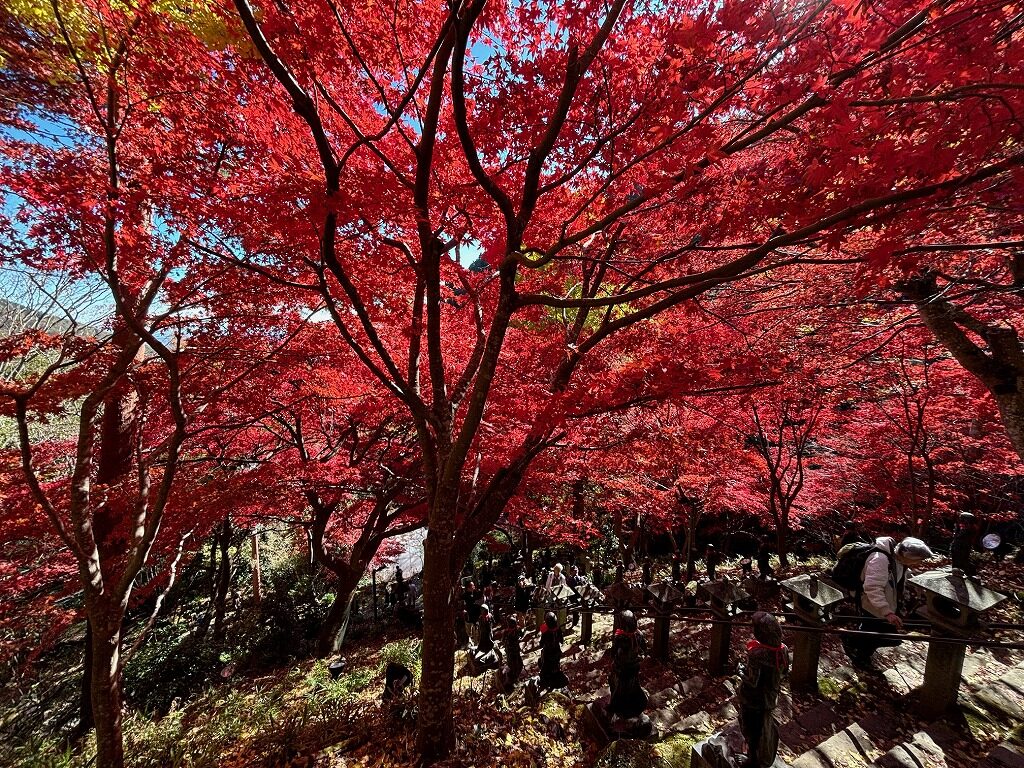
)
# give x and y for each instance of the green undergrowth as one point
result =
(266, 721)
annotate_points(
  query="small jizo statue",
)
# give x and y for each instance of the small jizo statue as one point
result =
(551, 675)
(485, 655)
(397, 677)
(629, 699)
(513, 668)
(711, 561)
(766, 665)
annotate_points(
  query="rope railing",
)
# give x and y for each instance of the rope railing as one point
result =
(686, 615)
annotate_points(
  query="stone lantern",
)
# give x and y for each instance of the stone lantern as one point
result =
(954, 604)
(663, 596)
(621, 596)
(814, 601)
(723, 596)
(591, 598)
(560, 599)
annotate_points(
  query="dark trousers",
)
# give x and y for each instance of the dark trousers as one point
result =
(863, 646)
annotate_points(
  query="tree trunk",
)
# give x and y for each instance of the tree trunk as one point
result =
(223, 581)
(436, 737)
(1000, 368)
(691, 549)
(782, 544)
(106, 696)
(257, 573)
(1011, 412)
(85, 719)
(782, 535)
(332, 635)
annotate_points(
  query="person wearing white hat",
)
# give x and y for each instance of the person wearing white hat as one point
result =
(881, 596)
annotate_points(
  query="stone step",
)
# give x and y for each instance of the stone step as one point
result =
(921, 752)
(805, 730)
(849, 748)
(980, 665)
(1004, 697)
(1005, 755)
(1014, 679)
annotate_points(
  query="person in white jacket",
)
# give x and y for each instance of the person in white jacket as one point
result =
(883, 577)
(555, 577)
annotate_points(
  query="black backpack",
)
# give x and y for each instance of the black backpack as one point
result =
(849, 565)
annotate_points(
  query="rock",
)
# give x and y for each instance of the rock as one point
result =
(1015, 679)
(674, 752)
(630, 753)
(691, 686)
(463, 664)
(894, 680)
(1001, 700)
(979, 725)
(921, 752)
(590, 723)
(666, 718)
(699, 722)
(849, 748)
(725, 747)
(728, 711)
(666, 697)
(902, 678)
(1006, 755)
(821, 718)
(556, 706)
(979, 667)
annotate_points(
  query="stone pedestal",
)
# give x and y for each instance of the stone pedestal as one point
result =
(721, 637)
(806, 653)
(662, 624)
(723, 597)
(586, 627)
(664, 597)
(942, 674)
(814, 601)
(954, 606)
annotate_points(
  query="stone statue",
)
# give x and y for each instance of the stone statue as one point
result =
(963, 543)
(766, 665)
(485, 655)
(551, 675)
(461, 633)
(628, 698)
(711, 561)
(764, 560)
(513, 668)
(397, 677)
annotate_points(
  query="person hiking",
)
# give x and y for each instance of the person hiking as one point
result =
(963, 542)
(880, 596)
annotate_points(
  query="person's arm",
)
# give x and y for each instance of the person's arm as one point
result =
(876, 578)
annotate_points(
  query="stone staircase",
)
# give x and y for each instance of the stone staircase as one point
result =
(852, 747)
(992, 700)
